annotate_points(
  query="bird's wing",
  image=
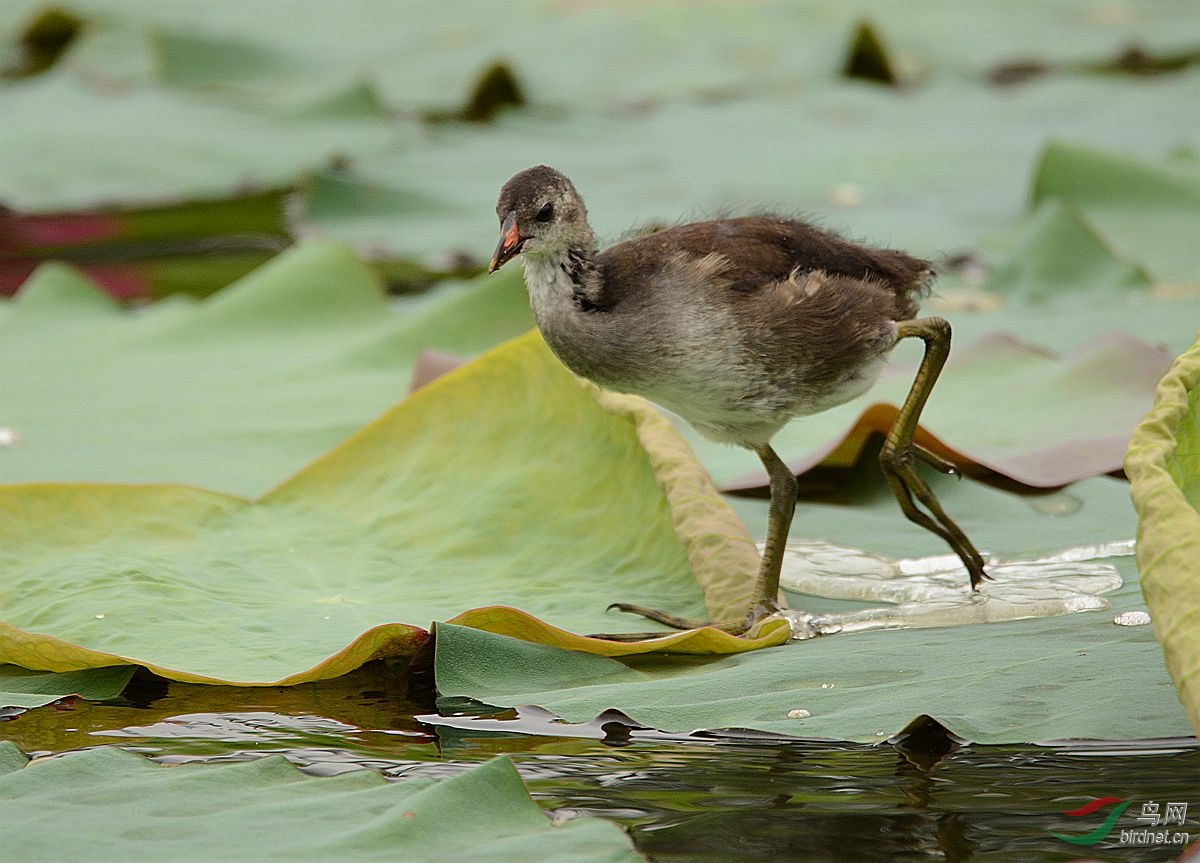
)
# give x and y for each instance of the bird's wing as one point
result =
(760, 252)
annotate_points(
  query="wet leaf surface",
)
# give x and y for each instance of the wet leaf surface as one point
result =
(1073, 676)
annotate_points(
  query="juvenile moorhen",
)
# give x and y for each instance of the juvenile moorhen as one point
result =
(737, 325)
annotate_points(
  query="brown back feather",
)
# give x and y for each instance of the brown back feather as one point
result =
(765, 249)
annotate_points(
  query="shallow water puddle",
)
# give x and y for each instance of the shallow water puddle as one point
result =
(934, 591)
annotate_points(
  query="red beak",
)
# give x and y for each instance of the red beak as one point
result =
(510, 242)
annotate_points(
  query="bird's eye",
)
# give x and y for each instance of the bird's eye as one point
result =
(544, 214)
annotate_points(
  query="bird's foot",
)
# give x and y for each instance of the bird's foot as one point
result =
(914, 495)
(674, 621)
(934, 460)
(764, 601)
(910, 489)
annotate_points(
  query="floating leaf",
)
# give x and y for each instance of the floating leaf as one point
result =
(1022, 681)
(1164, 472)
(339, 205)
(20, 687)
(232, 394)
(195, 247)
(1088, 176)
(1148, 212)
(199, 60)
(1074, 676)
(149, 145)
(507, 482)
(696, 79)
(1058, 253)
(125, 807)
(11, 758)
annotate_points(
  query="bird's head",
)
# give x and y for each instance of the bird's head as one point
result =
(540, 213)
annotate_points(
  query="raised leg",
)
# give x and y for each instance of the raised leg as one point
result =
(765, 600)
(898, 452)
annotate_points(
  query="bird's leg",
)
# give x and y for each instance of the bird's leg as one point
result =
(896, 458)
(779, 521)
(765, 599)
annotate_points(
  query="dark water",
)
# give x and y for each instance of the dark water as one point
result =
(734, 796)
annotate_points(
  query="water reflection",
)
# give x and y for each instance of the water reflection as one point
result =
(719, 796)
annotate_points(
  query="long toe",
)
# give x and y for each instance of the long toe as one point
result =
(674, 621)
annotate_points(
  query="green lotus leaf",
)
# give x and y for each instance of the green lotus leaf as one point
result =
(144, 145)
(506, 483)
(20, 687)
(179, 106)
(1059, 253)
(200, 60)
(1148, 212)
(123, 806)
(11, 757)
(1164, 472)
(1077, 676)
(235, 393)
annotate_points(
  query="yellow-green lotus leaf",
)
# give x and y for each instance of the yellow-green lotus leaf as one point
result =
(1164, 471)
(506, 484)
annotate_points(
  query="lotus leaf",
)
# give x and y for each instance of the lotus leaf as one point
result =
(122, 806)
(1164, 471)
(234, 393)
(505, 482)
(20, 687)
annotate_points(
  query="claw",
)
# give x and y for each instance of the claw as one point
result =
(935, 461)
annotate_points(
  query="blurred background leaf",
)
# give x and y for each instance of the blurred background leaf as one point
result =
(656, 110)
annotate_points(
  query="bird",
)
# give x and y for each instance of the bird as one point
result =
(738, 325)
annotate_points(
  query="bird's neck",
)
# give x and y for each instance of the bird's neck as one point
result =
(569, 302)
(564, 281)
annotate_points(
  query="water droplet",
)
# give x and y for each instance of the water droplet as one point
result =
(99, 617)
(1132, 618)
(798, 714)
(828, 685)
(9, 437)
